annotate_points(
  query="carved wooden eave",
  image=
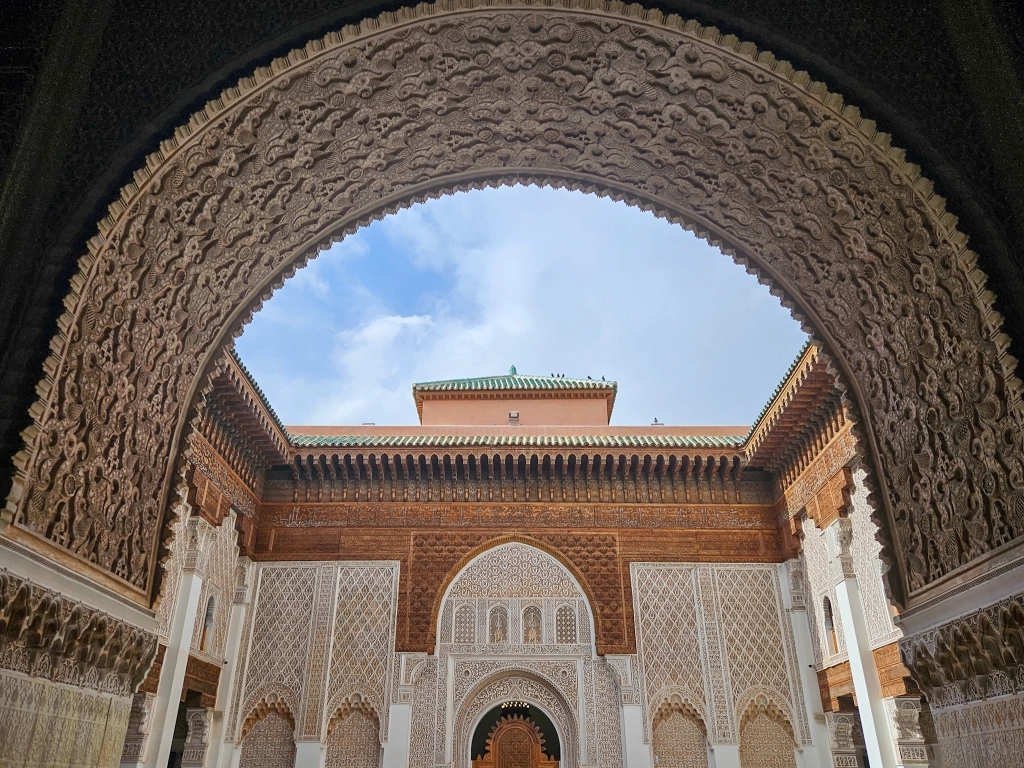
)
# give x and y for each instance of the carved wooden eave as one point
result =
(581, 465)
(798, 408)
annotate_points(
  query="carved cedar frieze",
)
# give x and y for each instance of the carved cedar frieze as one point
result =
(534, 515)
(44, 634)
(976, 657)
(601, 97)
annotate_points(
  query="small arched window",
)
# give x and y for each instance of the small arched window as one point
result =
(565, 625)
(497, 629)
(206, 636)
(533, 626)
(465, 624)
(830, 627)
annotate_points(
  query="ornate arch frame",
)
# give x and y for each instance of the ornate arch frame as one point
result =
(677, 118)
(470, 557)
(481, 700)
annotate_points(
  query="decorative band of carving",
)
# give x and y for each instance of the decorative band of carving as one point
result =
(975, 657)
(45, 634)
(363, 515)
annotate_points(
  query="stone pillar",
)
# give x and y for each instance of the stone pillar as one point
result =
(873, 715)
(140, 721)
(792, 582)
(310, 754)
(179, 641)
(725, 756)
(198, 739)
(396, 748)
(637, 751)
(221, 743)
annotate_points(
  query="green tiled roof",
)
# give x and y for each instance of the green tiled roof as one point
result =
(258, 391)
(778, 388)
(517, 441)
(512, 380)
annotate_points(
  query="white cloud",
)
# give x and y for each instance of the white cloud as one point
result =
(548, 280)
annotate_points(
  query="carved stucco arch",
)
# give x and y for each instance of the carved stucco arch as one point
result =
(497, 541)
(668, 115)
(518, 685)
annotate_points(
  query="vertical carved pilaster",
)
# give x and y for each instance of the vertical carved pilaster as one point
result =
(311, 717)
(139, 724)
(841, 728)
(715, 675)
(905, 713)
(198, 739)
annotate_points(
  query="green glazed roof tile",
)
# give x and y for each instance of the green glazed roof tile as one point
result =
(522, 441)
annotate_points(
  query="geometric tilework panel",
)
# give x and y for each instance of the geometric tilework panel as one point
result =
(364, 634)
(765, 744)
(679, 743)
(269, 744)
(354, 743)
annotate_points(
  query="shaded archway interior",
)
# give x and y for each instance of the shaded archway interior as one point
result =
(536, 715)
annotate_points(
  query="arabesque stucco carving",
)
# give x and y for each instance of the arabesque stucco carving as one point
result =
(596, 96)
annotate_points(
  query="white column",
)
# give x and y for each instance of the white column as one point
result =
(310, 754)
(396, 748)
(637, 751)
(219, 751)
(725, 756)
(172, 673)
(873, 716)
(793, 597)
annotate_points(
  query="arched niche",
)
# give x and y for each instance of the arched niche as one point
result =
(523, 686)
(510, 574)
(663, 113)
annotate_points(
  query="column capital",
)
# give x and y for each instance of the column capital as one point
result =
(198, 739)
(198, 535)
(244, 569)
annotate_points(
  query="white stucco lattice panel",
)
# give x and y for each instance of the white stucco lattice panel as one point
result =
(668, 648)
(867, 563)
(761, 659)
(219, 583)
(171, 578)
(819, 585)
(280, 635)
(609, 723)
(721, 626)
(515, 570)
(424, 706)
(364, 636)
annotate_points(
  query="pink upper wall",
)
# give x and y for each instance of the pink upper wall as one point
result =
(562, 411)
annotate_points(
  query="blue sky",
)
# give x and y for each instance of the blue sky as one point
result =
(550, 281)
